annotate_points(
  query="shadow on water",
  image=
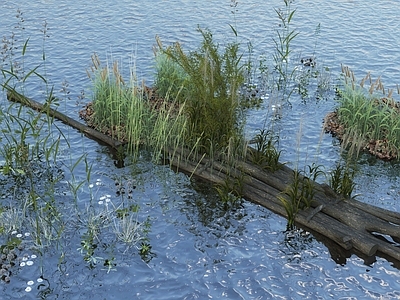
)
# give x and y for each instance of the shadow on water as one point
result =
(212, 213)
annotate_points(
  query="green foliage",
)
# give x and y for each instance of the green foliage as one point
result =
(114, 101)
(266, 155)
(231, 190)
(11, 244)
(88, 246)
(341, 180)
(171, 80)
(283, 49)
(210, 87)
(300, 193)
(31, 174)
(122, 111)
(369, 122)
(123, 212)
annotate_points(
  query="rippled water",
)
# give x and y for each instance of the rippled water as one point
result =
(201, 250)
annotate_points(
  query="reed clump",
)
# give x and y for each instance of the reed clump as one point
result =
(208, 81)
(125, 111)
(265, 153)
(365, 121)
(341, 180)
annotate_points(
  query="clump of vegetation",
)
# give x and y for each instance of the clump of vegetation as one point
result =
(123, 111)
(300, 193)
(210, 83)
(265, 153)
(231, 190)
(171, 79)
(364, 121)
(341, 180)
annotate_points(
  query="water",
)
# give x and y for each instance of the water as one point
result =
(200, 250)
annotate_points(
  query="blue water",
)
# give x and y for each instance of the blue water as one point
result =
(200, 250)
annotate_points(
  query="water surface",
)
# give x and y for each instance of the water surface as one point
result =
(200, 249)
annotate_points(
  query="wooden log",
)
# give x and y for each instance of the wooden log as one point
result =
(258, 192)
(14, 96)
(348, 223)
(332, 232)
(339, 221)
(384, 214)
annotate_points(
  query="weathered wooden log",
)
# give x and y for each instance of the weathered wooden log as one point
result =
(339, 220)
(384, 214)
(349, 223)
(351, 212)
(362, 220)
(14, 96)
(325, 228)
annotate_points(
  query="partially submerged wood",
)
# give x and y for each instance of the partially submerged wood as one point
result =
(14, 96)
(364, 229)
(349, 223)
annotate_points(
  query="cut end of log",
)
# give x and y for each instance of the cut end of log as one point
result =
(373, 250)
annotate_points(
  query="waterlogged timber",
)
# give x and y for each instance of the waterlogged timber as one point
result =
(363, 229)
(14, 96)
(350, 223)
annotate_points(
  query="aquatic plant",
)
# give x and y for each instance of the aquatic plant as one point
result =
(231, 190)
(341, 180)
(32, 173)
(123, 111)
(283, 50)
(300, 193)
(266, 154)
(170, 80)
(111, 220)
(368, 122)
(212, 81)
(112, 99)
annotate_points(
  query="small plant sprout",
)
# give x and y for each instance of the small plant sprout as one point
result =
(110, 265)
(300, 193)
(128, 229)
(342, 180)
(265, 154)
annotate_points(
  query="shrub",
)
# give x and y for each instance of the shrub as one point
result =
(210, 84)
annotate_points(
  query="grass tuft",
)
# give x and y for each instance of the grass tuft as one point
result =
(366, 121)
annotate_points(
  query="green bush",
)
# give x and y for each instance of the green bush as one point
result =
(369, 121)
(171, 80)
(210, 84)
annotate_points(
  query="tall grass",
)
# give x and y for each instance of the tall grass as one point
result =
(34, 175)
(171, 79)
(300, 193)
(265, 153)
(341, 180)
(210, 83)
(369, 121)
(285, 36)
(122, 110)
